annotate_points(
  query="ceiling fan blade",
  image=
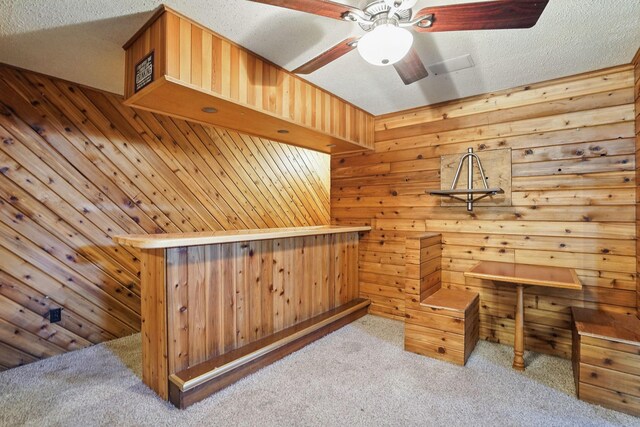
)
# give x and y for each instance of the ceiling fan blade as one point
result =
(410, 68)
(490, 15)
(317, 7)
(345, 46)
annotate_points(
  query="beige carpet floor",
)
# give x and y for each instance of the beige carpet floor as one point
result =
(357, 376)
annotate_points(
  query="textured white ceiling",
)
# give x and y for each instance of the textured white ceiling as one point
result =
(80, 40)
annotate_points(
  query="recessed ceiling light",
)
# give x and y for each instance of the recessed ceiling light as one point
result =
(283, 131)
(209, 110)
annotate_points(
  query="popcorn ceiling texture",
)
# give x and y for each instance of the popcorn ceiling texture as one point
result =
(80, 40)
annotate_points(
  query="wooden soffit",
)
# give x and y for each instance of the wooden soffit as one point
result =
(195, 68)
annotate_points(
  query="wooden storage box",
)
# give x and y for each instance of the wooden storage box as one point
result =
(606, 359)
(444, 326)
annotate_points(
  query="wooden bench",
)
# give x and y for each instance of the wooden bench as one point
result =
(439, 323)
(606, 359)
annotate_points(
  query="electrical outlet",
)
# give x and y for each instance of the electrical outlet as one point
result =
(55, 315)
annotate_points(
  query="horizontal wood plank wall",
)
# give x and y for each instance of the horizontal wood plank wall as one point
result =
(200, 58)
(77, 167)
(256, 289)
(574, 185)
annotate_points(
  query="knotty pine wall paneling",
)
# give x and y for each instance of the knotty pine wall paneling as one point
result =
(574, 189)
(636, 91)
(77, 167)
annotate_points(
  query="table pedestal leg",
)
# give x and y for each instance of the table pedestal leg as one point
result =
(518, 344)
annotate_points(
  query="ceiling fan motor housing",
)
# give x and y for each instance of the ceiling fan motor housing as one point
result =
(401, 4)
(379, 10)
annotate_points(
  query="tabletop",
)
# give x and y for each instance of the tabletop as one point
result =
(526, 274)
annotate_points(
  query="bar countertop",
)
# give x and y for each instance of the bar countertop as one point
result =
(172, 240)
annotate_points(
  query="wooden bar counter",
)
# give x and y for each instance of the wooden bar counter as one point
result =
(213, 303)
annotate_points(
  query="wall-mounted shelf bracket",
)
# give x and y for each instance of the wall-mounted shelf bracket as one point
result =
(469, 191)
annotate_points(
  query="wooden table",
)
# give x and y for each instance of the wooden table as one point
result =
(522, 275)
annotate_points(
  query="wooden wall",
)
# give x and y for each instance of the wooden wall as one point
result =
(77, 167)
(574, 188)
(636, 91)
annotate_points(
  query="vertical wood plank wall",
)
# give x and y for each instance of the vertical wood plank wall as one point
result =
(255, 289)
(574, 188)
(77, 167)
(636, 92)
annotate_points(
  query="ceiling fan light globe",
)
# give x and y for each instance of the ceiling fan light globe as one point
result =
(386, 44)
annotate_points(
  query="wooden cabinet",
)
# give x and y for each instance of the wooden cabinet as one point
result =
(177, 67)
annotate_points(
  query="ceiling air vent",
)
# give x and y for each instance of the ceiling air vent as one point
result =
(451, 65)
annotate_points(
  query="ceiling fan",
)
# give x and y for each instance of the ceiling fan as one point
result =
(387, 40)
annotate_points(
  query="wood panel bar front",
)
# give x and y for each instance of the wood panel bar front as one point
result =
(200, 301)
